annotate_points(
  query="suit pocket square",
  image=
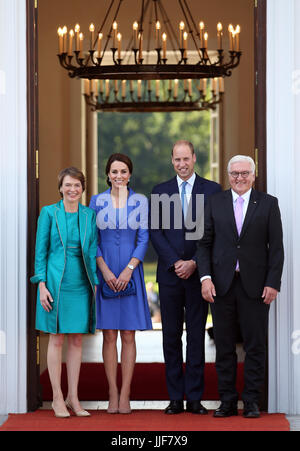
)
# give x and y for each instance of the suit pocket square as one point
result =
(130, 290)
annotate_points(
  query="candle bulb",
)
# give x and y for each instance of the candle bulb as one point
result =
(231, 36)
(71, 36)
(64, 32)
(106, 88)
(201, 26)
(92, 35)
(119, 38)
(96, 82)
(140, 47)
(139, 91)
(185, 38)
(123, 89)
(175, 88)
(157, 34)
(220, 29)
(157, 88)
(190, 87)
(77, 30)
(81, 37)
(205, 40)
(115, 28)
(164, 39)
(87, 90)
(135, 28)
(60, 40)
(204, 86)
(181, 28)
(237, 34)
(221, 85)
(214, 86)
(100, 36)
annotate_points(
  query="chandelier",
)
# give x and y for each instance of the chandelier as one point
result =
(155, 50)
(153, 95)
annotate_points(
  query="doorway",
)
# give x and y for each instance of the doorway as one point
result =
(55, 135)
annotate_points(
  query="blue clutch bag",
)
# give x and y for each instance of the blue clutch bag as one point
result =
(130, 290)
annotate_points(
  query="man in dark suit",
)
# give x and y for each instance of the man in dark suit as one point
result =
(179, 285)
(240, 260)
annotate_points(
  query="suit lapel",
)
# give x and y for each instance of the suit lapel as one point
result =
(173, 186)
(192, 203)
(252, 206)
(60, 217)
(229, 207)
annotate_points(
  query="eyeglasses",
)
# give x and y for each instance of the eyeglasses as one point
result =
(235, 174)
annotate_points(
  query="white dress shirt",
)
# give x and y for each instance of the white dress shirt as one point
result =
(246, 197)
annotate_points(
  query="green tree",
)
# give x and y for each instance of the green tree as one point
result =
(147, 138)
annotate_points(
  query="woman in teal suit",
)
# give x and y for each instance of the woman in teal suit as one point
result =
(65, 271)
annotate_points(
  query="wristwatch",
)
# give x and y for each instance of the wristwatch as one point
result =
(130, 267)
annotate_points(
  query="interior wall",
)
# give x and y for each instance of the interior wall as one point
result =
(62, 136)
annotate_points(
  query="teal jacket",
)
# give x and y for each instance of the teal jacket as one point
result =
(50, 259)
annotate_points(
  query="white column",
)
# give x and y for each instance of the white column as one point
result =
(13, 206)
(283, 164)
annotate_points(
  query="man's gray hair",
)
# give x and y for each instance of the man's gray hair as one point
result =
(238, 159)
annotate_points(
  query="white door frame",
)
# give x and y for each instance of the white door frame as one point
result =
(13, 207)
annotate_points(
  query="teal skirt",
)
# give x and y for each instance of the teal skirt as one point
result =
(75, 296)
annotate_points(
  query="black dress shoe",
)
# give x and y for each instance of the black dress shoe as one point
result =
(251, 410)
(196, 407)
(174, 407)
(226, 409)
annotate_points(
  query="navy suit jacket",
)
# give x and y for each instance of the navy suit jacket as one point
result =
(170, 243)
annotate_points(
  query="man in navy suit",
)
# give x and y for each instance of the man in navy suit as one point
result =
(179, 285)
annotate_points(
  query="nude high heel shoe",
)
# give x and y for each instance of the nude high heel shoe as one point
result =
(60, 414)
(78, 413)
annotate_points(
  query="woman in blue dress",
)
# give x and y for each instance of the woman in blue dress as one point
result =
(65, 271)
(121, 302)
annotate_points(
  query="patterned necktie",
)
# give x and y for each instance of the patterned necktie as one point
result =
(183, 198)
(238, 213)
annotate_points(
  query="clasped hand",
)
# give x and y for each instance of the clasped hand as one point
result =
(120, 283)
(184, 268)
